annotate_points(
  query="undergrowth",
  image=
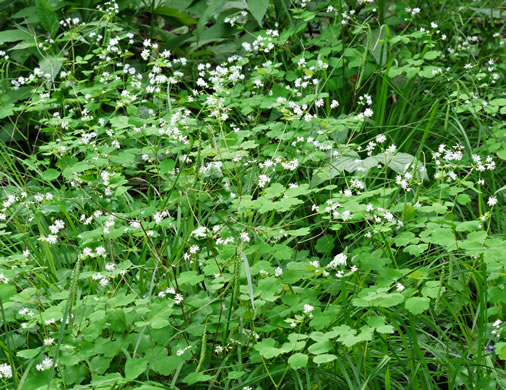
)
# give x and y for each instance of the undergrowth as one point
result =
(252, 194)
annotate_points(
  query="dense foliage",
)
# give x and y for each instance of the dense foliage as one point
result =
(253, 194)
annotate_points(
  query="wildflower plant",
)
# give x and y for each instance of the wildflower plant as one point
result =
(252, 195)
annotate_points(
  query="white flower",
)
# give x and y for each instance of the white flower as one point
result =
(399, 287)
(178, 298)
(46, 364)
(5, 371)
(381, 138)
(368, 112)
(110, 266)
(49, 341)
(492, 201)
(308, 308)
(100, 251)
(263, 180)
(339, 259)
(245, 237)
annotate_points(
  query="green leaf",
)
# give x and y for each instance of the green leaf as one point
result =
(6, 110)
(269, 288)
(405, 238)
(282, 252)
(211, 10)
(267, 348)
(325, 244)
(190, 277)
(377, 297)
(236, 374)
(274, 191)
(320, 347)
(14, 36)
(51, 65)
(47, 16)
(167, 365)
(258, 9)
(463, 199)
(135, 367)
(378, 323)
(350, 339)
(6, 291)
(432, 289)
(117, 320)
(429, 72)
(500, 349)
(417, 305)
(299, 232)
(28, 353)
(416, 250)
(51, 174)
(326, 358)
(298, 360)
(195, 377)
(167, 166)
(180, 16)
(468, 226)
(431, 55)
